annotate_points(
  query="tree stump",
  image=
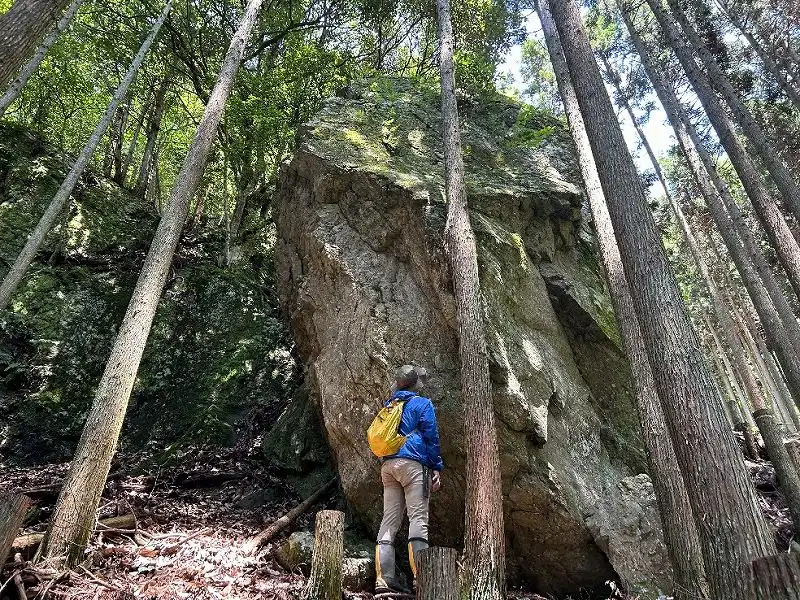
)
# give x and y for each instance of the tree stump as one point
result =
(437, 574)
(12, 514)
(777, 577)
(793, 448)
(325, 581)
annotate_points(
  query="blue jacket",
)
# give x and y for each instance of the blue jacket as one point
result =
(419, 426)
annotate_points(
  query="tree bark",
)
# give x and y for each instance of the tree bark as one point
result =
(36, 238)
(765, 148)
(14, 90)
(12, 513)
(770, 216)
(153, 127)
(780, 324)
(325, 581)
(680, 533)
(777, 577)
(437, 574)
(484, 538)
(728, 518)
(21, 29)
(788, 477)
(77, 503)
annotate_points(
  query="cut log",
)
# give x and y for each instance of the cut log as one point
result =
(437, 574)
(793, 448)
(28, 543)
(777, 577)
(270, 532)
(18, 579)
(12, 513)
(325, 581)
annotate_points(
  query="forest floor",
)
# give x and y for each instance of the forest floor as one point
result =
(190, 529)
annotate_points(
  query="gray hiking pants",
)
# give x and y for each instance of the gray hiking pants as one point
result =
(404, 490)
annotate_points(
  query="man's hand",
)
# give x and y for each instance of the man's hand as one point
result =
(436, 481)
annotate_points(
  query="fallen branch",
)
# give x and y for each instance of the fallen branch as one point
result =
(99, 581)
(203, 479)
(30, 541)
(270, 532)
(170, 550)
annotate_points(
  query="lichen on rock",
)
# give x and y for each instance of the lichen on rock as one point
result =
(363, 277)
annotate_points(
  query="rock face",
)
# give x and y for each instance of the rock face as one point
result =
(364, 279)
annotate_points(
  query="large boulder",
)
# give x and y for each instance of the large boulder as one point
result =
(362, 274)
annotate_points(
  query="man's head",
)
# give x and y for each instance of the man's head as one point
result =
(405, 377)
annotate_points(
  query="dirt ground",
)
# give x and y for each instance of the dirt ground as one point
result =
(191, 526)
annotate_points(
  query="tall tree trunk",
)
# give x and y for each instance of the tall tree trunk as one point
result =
(780, 236)
(791, 90)
(738, 416)
(117, 141)
(780, 324)
(680, 533)
(14, 90)
(484, 538)
(126, 164)
(779, 400)
(764, 147)
(57, 204)
(721, 301)
(75, 511)
(153, 127)
(728, 518)
(765, 420)
(21, 29)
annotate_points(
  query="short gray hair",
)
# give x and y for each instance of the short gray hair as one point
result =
(405, 377)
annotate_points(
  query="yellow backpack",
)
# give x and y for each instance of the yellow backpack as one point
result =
(383, 434)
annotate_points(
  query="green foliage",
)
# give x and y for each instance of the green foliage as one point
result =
(538, 75)
(534, 126)
(218, 354)
(474, 73)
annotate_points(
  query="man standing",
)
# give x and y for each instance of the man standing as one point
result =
(408, 477)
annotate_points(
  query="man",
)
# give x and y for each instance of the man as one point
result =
(408, 476)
